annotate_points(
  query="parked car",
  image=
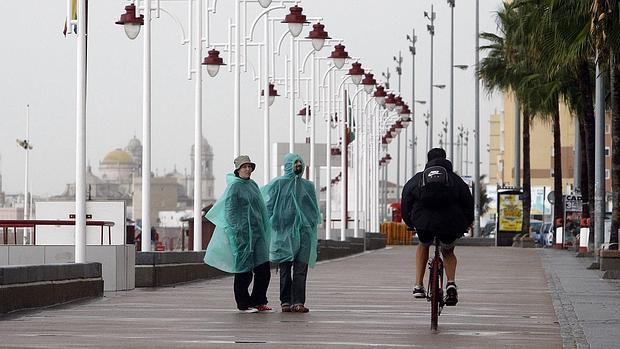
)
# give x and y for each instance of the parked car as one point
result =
(489, 229)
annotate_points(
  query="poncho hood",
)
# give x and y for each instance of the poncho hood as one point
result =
(289, 165)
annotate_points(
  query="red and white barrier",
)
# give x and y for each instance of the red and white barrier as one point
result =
(559, 238)
(584, 235)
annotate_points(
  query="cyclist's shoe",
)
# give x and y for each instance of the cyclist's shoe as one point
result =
(452, 295)
(419, 291)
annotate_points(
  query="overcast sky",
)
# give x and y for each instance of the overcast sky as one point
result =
(38, 68)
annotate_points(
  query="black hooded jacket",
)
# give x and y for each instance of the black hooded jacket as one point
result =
(453, 219)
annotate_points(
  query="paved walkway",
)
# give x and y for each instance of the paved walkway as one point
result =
(588, 307)
(356, 302)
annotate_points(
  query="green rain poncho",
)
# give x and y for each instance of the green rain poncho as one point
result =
(294, 214)
(240, 241)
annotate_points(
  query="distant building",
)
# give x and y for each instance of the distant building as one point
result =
(120, 178)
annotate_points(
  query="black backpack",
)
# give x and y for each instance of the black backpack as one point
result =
(436, 187)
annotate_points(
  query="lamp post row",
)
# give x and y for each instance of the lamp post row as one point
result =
(132, 24)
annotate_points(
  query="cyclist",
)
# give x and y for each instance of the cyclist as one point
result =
(438, 202)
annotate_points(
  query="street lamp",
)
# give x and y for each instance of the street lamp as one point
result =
(451, 4)
(305, 116)
(356, 73)
(369, 83)
(412, 39)
(399, 104)
(318, 36)
(444, 128)
(390, 102)
(295, 20)
(380, 95)
(339, 55)
(213, 63)
(131, 22)
(431, 30)
(273, 93)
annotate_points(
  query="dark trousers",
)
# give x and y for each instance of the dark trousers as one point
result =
(261, 275)
(293, 287)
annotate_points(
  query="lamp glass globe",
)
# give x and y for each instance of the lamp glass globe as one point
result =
(213, 69)
(339, 62)
(132, 30)
(318, 44)
(357, 79)
(295, 29)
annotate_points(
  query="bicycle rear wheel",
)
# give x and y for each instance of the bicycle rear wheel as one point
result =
(435, 293)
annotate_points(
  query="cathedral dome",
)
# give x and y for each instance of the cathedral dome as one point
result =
(118, 156)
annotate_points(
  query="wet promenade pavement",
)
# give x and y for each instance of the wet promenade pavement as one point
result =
(356, 302)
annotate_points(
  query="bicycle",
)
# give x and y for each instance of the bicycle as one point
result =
(435, 285)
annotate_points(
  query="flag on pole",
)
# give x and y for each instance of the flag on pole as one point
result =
(72, 11)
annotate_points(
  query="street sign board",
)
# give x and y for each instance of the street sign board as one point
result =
(573, 203)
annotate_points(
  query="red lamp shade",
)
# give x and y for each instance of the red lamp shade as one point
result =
(318, 36)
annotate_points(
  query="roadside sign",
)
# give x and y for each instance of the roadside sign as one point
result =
(573, 203)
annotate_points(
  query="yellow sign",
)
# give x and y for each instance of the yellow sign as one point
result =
(510, 213)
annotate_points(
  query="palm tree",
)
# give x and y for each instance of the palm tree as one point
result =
(516, 62)
(504, 69)
(570, 46)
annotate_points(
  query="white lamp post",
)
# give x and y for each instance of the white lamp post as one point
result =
(27, 146)
(212, 62)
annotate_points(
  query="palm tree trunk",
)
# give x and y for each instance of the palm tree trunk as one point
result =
(586, 87)
(615, 146)
(558, 207)
(527, 197)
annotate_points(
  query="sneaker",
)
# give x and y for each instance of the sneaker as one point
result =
(419, 291)
(286, 308)
(248, 310)
(263, 308)
(452, 295)
(299, 308)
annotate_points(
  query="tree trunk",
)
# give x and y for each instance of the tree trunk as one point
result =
(615, 147)
(558, 207)
(527, 196)
(586, 86)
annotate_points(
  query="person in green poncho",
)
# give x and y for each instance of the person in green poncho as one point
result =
(240, 242)
(294, 214)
